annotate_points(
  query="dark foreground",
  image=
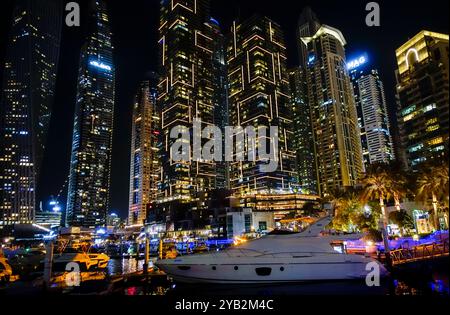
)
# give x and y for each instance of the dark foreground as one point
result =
(420, 279)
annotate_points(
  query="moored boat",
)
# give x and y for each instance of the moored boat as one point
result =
(5, 269)
(305, 256)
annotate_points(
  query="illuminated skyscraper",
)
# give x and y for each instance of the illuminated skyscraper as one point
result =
(88, 194)
(221, 108)
(259, 95)
(423, 97)
(303, 141)
(145, 166)
(308, 25)
(185, 93)
(27, 98)
(373, 119)
(332, 107)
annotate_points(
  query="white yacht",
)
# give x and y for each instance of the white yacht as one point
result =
(306, 256)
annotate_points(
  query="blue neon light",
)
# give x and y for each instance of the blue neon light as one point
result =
(213, 20)
(358, 62)
(100, 65)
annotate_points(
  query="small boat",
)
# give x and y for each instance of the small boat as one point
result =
(63, 262)
(86, 260)
(200, 248)
(289, 258)
(5, 269)
(26, 261)
(101, 259)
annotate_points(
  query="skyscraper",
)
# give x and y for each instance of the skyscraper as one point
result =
(308, 25)
(145, 165)
(221, 108)
(423, 97)
(259, 96)
(88, 193)
(373, 118)
(303, 143)
(185, 94)
(28, 92)
(332, 107)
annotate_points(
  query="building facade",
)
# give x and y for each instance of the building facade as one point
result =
(221, 108)
(27, 96)
(423, 97)
(186, 93)
(308, 25)
(373, 117)
(333, 111)
(145, 166)
(303, 143)
(89, 181)
(259, 96)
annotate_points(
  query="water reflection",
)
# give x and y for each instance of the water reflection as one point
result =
(388, 287)
(117, 267)
(313, 288)
(436, 284)
(124, 266)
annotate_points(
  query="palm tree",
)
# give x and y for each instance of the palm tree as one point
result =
(397, 181)
(345, 203)
(377, 185)
(433, 182)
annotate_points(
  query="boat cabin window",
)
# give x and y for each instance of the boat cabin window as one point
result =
(264, 271)
(184, 268)
(339, 247)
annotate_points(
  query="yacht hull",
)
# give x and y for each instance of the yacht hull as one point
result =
(268, 271)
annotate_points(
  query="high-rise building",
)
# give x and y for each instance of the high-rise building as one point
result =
(88, 193)
(145, 166)
(259, 96)
(423, 97)
(221, 108)
(31, 62)
(373, 117)
(113, 220)
(303, 143)
(185, 94)
(332, 108)
(308, 25)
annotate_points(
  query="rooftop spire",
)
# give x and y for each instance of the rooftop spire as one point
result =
(308, 17)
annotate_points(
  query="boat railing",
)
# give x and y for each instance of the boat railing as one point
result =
(247, 252)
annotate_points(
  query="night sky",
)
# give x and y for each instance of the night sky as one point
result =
(135, 37)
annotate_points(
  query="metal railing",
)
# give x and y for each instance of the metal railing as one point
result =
(421, 252)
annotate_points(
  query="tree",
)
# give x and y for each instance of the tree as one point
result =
(353, 216)
(309, 208)
(377, 185)
(433, 182)
(403, 220)
(397, 181)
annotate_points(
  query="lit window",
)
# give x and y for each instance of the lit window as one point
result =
(436, 141)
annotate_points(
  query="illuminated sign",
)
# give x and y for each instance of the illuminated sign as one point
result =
(100, 65)
(311, 59)
(356, 63)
